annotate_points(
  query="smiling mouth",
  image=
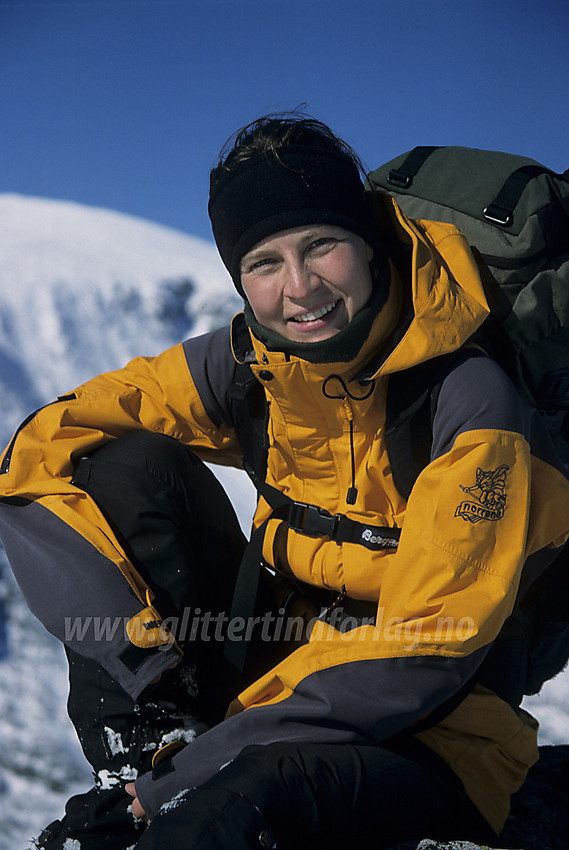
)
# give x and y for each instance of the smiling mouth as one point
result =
(317, 314)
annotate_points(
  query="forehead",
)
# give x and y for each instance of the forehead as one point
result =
(294, 236)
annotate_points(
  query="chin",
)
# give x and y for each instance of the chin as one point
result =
(317, 336)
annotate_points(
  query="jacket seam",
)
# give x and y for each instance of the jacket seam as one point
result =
(478, 565)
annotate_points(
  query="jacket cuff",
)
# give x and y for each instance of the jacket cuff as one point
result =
(147, 669)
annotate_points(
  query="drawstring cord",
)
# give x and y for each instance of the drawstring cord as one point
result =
(326, 394)
(352, 494)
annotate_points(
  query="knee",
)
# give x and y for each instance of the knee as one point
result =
(277, 781)
(145, 450)
(147, 456)
(266, 773)
(140, 462)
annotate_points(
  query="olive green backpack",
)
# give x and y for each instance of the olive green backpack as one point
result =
(515, 214)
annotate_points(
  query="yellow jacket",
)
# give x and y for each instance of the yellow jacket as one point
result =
(490, 499)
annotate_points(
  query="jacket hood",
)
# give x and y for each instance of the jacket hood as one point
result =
(447, 293)
(446, 303)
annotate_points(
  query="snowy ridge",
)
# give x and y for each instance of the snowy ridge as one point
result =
(84, 290)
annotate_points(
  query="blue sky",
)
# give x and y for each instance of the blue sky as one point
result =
(125, 103)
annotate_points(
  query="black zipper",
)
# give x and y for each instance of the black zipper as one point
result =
(5, 466)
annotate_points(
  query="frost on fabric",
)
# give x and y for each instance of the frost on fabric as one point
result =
(114, 742)
(72, 844)
(174, 802)
(186, 735)
(106, 779)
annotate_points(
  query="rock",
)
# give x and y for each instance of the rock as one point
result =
(540, 811)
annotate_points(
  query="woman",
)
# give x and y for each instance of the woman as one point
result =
(389, 717)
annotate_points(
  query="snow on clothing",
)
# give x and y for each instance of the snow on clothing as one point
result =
(442, 596)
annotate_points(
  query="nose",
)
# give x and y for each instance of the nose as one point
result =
(300, 280)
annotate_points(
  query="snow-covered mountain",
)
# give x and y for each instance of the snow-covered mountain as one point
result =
(83, 290)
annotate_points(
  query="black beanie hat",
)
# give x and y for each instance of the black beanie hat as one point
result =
(295, 186)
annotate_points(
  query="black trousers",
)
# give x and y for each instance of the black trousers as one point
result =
(317, 796)
(180, 531)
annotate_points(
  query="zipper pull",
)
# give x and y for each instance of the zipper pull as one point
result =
(352, 494)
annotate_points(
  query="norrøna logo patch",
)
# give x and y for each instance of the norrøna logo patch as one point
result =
(487, 496)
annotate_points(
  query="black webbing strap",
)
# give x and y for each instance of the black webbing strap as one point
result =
(306, 519)
(317, 522)
(244, 600)
(402, 177)
(501, 210)
(410, 407)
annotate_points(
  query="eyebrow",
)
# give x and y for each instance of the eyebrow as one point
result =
(259, 253)
(255, 253)
(252, 257)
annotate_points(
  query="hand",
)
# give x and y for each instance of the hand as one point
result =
(137, 809)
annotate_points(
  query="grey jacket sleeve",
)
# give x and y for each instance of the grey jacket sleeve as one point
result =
(73, 570)
(361, 702)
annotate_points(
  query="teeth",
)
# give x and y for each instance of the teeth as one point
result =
(311, 317)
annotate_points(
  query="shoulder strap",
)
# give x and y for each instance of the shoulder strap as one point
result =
(249, 411)
(411, 404)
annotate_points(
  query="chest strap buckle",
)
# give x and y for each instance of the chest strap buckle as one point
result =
(312, 520)
(316, 522)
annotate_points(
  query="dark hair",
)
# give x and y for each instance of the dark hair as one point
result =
(332, 188)
(278, 130)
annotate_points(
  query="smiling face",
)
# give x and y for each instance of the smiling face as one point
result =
(307, 283)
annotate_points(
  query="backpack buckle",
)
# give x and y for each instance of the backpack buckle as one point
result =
(312, 520)
(399, 179)
(498, 215)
